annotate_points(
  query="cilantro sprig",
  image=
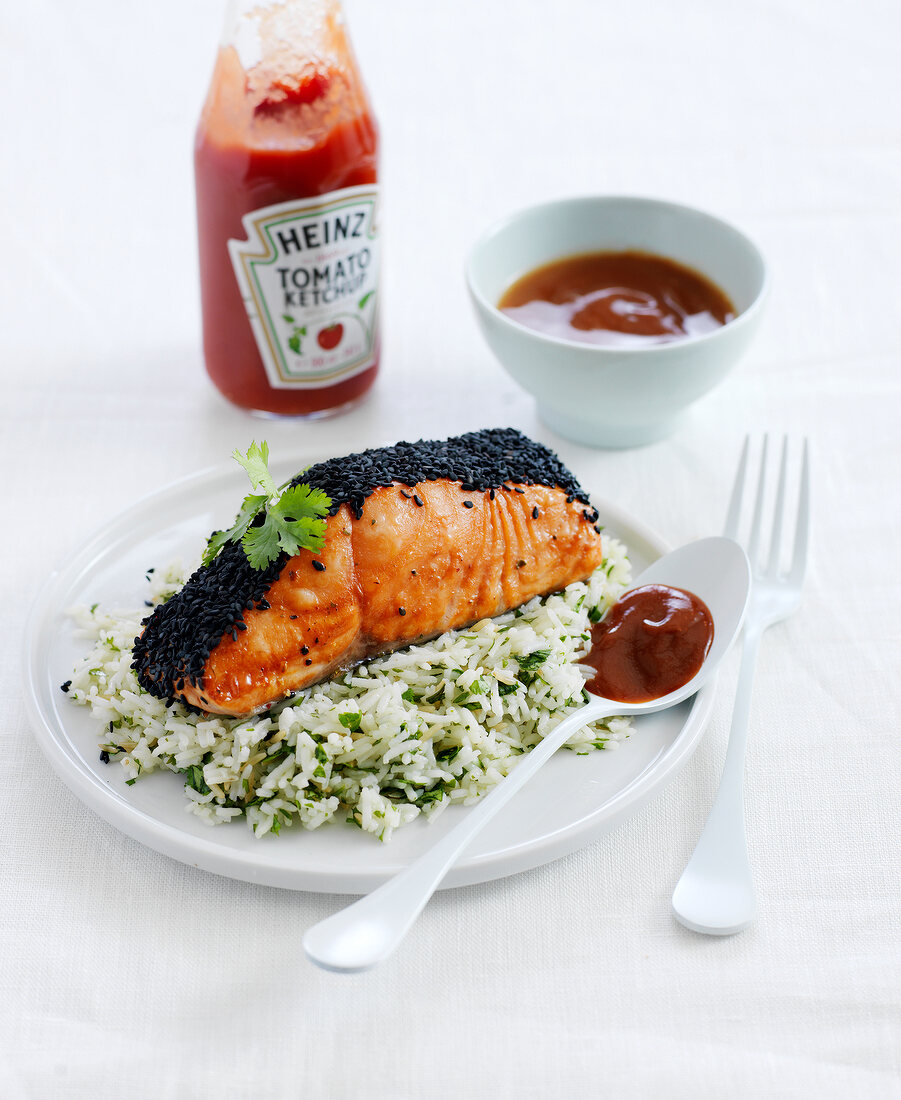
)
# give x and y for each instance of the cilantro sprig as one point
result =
(293, 516)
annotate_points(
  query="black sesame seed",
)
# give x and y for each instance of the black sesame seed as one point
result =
(491, 494)
(308, 661)
(467, 504)
(318, 565)
(516, 489)
(535, 512)
(304, 649)
(416, 500)
(401, 611)
(413, 572)
(404, 493)
(104, 756)
(292, 616)
(65, 687)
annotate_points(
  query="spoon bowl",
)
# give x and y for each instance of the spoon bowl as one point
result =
(717, 570)
(364, 933)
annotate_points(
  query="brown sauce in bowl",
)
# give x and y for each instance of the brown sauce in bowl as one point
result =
(650, 643)
(617, 299)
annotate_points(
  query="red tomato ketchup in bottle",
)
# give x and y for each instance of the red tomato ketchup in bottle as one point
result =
(287, 209)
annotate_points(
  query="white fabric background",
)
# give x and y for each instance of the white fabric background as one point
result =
(126, 974)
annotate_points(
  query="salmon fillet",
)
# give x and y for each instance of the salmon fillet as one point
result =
(410, 560)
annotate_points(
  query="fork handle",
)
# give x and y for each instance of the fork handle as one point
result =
(734, 764)
(715, 894)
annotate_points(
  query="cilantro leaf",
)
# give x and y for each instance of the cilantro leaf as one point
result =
(300, 512)
(260, 545)
(250, 509)
(256, 463)
(272, 519)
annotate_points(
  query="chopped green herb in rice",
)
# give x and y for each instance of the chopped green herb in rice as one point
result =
(405, 734)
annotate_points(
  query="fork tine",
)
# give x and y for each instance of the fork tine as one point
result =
(799, 556)
(757, 521)
(731, 529)
(778, 513)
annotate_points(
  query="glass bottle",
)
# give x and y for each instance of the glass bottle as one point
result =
(287, 210)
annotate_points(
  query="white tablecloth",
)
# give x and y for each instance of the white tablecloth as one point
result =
(126, 974)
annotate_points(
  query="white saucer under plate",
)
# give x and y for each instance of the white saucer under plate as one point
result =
(573, 800)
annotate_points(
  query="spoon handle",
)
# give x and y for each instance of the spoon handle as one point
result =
(367, 931)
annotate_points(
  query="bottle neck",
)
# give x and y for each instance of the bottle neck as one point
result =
(285, 77)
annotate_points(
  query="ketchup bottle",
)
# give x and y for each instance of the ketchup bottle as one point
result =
(285, 165)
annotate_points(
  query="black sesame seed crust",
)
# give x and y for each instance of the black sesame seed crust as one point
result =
(480, 460)
(181, 633)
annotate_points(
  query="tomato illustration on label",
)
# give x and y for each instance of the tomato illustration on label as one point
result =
(330, 336)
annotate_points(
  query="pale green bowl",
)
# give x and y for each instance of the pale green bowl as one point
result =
(615, 397)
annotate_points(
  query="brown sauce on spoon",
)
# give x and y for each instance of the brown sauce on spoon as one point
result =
(617, 299)
(650, 643)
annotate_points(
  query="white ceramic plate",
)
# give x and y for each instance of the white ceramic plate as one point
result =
(573, 799)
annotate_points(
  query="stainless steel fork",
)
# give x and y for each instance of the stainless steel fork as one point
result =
(716, 891)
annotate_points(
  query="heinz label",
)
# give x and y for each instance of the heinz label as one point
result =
(308, 274)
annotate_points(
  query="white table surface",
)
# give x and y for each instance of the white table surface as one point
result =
(126, 974)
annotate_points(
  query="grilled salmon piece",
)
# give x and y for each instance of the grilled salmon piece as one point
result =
(405, 562)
